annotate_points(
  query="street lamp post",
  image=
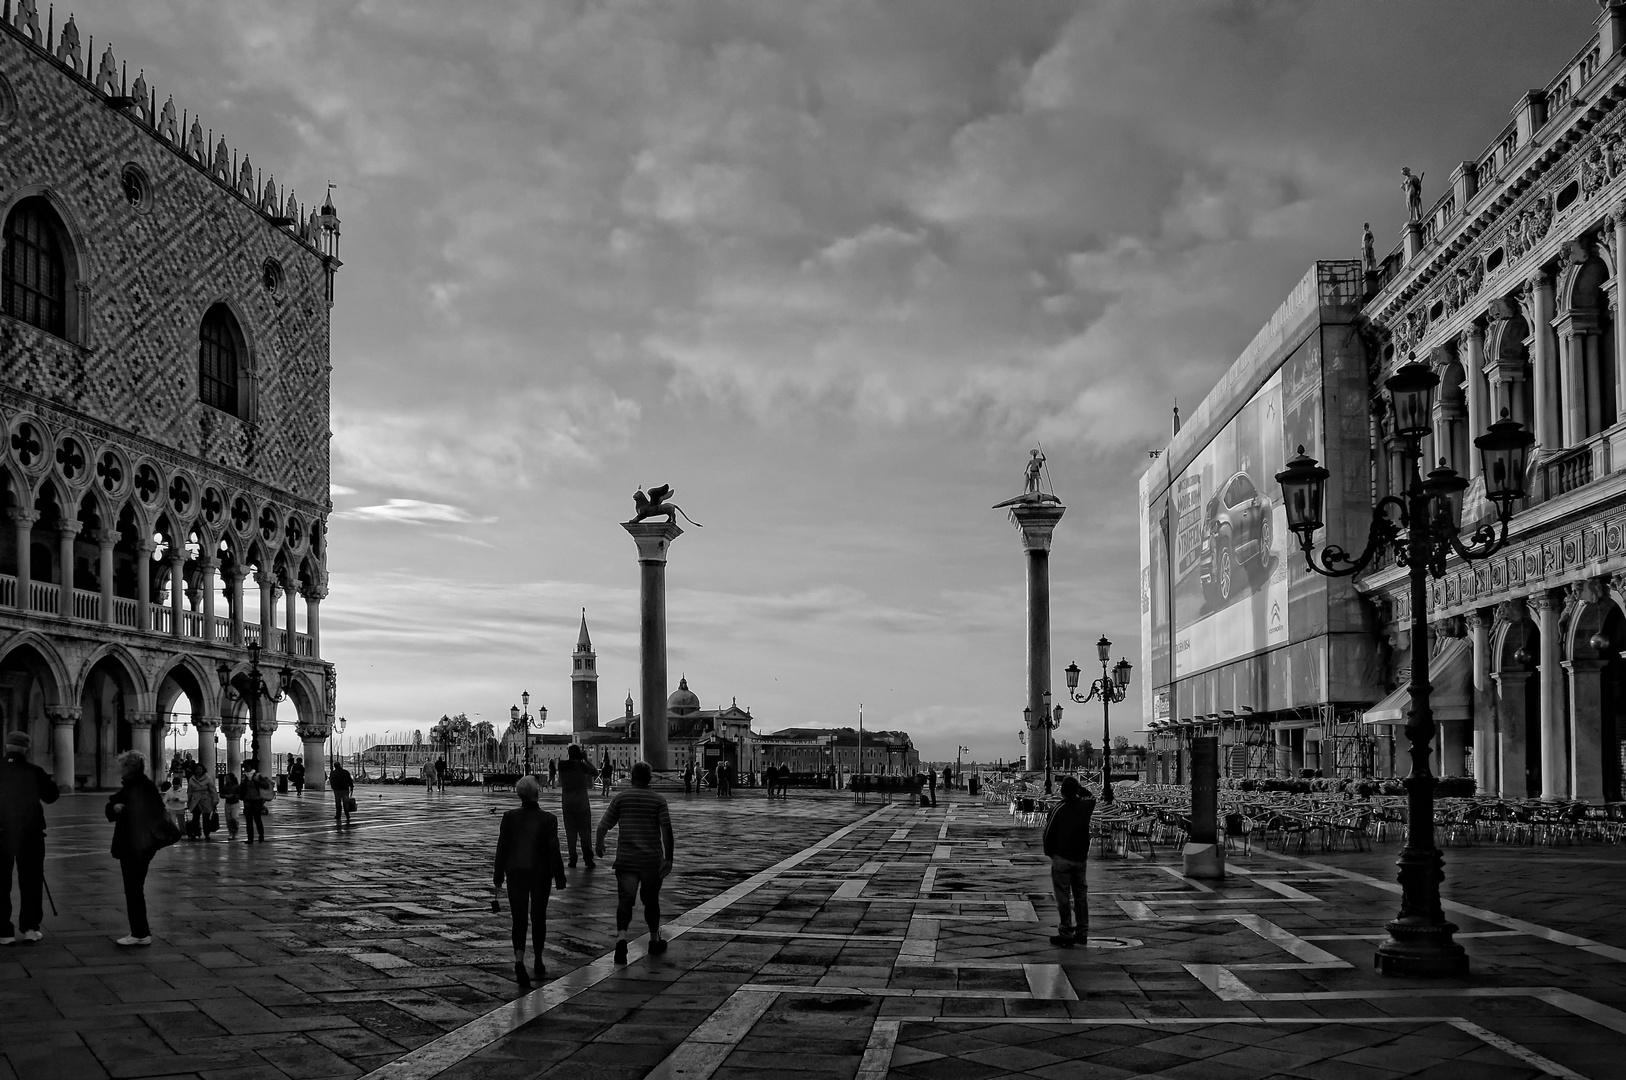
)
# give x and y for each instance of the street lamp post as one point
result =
(333, 741)
(177, 729)
(1111, 689)
(257, 690)
(523, 718)
(958, 750)
(1421, 528)
(1050, 721)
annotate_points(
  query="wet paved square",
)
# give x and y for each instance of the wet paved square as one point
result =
(812, 937)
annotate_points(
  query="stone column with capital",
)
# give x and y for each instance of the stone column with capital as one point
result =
(63, 721)
(232, 727)
(653, 540)
(1555, 780)
(206, 727)
(1619, 223)
(313, 736)
(234, 587)
(24, 522)
(1037, 521)
(290, 593)
(67, 529)
(206, 583)
(1549, 425)
(105, 540)
(268, 605)
(177, 592)
(313, 618)
(141, 725)
(1585, 760)
(1484, 705)
(144, 548)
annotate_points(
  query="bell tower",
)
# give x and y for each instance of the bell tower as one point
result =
(583, 683)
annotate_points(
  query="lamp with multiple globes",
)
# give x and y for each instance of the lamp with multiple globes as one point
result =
(523, 718)
(1111, 688)
(1421, 527)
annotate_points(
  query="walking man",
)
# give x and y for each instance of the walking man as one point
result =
(553, 772)
(688, 778)
(576, 775)
(296, 776)
(528, 856)
(643, 856)
(344, 788)
(24, 790)
(440, 774)
(606, 775)
(1067, 842)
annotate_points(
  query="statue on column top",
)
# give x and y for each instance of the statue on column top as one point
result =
(1369, 252)
(1032, 489)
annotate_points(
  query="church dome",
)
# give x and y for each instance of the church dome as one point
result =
(683, 700)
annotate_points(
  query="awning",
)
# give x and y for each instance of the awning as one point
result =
(1451, 673)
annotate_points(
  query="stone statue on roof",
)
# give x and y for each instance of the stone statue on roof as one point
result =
(1369, 251)
(1412, 187)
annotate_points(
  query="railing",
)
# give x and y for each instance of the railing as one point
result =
(1575, 467)
(87, 605)
(44, 596)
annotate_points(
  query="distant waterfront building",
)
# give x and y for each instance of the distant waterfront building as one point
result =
(818, 749)
(1508, 286)
(164, 420)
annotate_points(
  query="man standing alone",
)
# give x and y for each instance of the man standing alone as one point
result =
(576, 775)
(1067, 842)
(24, 789)
(643, 856)
(344, 788)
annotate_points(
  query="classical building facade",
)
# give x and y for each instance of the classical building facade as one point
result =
(1508, 286)
(164, 381)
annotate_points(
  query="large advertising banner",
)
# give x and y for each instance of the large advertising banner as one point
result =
(1230, 542)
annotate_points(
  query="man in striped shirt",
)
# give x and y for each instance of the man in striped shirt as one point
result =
(643, 856)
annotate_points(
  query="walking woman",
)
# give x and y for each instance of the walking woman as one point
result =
(528, 857)
(141, 827)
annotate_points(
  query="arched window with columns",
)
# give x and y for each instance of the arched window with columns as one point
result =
(222, 361)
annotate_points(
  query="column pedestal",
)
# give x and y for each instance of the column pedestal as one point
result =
(206, 729)
(1037, 522)
(233, 733)
(653, 540)
(315, 762)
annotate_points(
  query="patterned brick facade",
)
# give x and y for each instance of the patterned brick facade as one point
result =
(141, 523)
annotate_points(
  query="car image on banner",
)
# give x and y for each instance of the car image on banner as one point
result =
(1230, 592)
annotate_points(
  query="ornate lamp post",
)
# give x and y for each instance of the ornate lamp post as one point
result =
(1421, 528)
(257, 689)
(523, 718)
(1111, 689)
(958, 750)
(333, 740)
(1050, 721)
(177, 730)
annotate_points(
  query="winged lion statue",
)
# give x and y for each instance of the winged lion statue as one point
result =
(655, 504)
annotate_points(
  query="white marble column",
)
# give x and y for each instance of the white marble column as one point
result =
(290, 594)
(313, 620)
(177, 591)
(206, 727)
(144, 549)
(232, 728)
(141, 725)
(1585, 762)
(234, 583)
(206, 575)
(1549, 427)
(268, 607)
(1473, 370)
(1620, 309)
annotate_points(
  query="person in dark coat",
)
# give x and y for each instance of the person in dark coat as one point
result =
(576, 775)
(137, 813)
(255, 790)
(688, 778)
(1067, 842)
(344, 786)
(24, 790)
(528, 857)
(784, 781)
(296, 776)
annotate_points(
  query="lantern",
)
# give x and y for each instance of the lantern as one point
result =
(1302, 482)
(1411, 398)
(1504, 451)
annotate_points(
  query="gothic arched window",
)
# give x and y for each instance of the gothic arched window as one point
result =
(220, 360)
(34, 273)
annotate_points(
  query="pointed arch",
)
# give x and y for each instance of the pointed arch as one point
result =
(39, 655)
(44, 273)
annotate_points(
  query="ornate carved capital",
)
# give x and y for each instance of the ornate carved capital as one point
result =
(21, 516)
(208, 724)
(69, 527)
(233, 727)
(1542, 601)
(1480, 618)
(62, 715)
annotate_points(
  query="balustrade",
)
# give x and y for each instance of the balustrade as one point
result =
(87, 605)
(124, 612)
(8, 590)
(44, 596)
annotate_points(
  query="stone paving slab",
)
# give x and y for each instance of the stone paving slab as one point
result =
(813, 937)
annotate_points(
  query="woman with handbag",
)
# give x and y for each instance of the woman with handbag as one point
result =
(141, 827)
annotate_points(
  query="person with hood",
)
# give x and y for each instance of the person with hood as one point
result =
(141, 828)
(528, 858)
(24, 790)
(1067, 843)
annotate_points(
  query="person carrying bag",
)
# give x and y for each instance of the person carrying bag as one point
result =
(141, 829)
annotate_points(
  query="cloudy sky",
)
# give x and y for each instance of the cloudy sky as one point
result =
(829, 268)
